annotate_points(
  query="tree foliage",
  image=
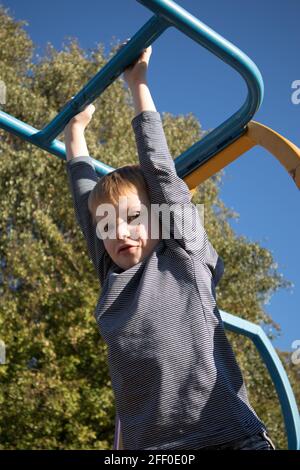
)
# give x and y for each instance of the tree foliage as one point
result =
(55, 390)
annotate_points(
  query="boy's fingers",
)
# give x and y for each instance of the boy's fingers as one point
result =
(144, 51)
(90, 107)
(123, 44)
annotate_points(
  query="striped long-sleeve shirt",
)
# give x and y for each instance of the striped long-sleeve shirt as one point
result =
(176, 381)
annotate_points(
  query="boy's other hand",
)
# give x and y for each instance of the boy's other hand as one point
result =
(137, 71)
(83, 118)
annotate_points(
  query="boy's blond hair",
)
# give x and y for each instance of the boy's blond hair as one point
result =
(115, 184)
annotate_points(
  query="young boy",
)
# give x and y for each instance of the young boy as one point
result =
(175, 379)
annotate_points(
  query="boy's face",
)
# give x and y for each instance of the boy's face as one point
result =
(128, 229)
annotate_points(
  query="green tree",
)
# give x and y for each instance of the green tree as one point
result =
(55, 390)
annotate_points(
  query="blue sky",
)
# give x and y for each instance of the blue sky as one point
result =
(185, 78)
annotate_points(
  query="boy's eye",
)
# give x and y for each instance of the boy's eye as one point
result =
(130, 217)
(133, 216)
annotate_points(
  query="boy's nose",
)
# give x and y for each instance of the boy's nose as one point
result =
(122, 231)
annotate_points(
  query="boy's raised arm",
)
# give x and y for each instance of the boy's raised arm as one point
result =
(157, 164)
(154, 155)
(82, 179)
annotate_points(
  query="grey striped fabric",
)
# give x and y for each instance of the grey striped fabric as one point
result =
(175, 379)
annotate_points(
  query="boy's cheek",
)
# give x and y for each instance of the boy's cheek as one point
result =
(109, 246)
(145, 232)
(138, 232)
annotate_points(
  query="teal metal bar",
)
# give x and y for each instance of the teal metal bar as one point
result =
(167, 14)
(235, 126)
(110, 72)
(28, 133)
(276, 370)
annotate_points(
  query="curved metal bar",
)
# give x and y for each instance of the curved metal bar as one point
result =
(287, 153)
(167, 14)
(278, 375)
(233, 127)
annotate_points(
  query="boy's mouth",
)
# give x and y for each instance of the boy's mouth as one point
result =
(125, 248)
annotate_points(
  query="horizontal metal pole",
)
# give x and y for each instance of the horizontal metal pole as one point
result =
(56, 147)
(110, 72)
(167, 13)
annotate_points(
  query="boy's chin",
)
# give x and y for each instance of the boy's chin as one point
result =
(130, 262)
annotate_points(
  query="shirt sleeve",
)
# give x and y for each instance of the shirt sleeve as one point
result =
(214, 262)
(82, 179)
(166, 187)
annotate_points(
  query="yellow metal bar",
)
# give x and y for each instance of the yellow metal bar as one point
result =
(219, 161)
(285, 151)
